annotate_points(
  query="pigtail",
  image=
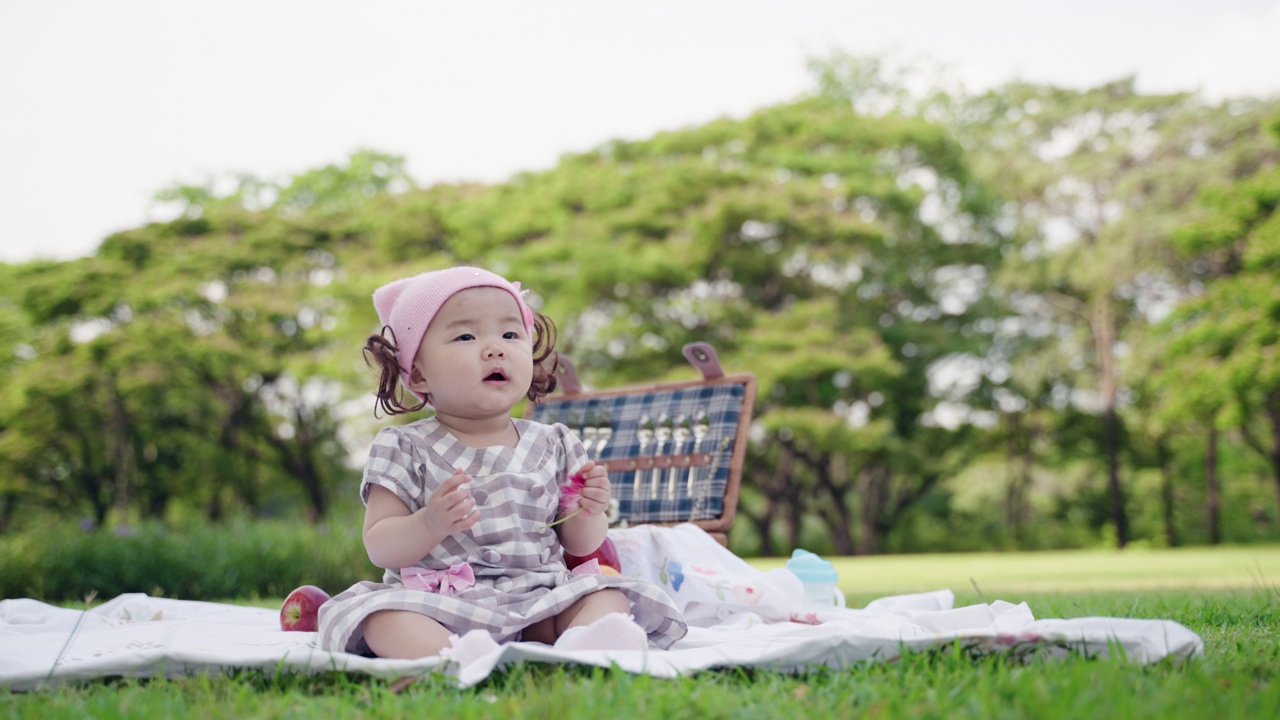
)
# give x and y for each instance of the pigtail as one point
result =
(546, 361)
(380, 353)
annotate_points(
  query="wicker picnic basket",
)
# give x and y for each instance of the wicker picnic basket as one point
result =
(674, 450)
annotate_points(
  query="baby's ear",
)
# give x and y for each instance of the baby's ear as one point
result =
(417, 383)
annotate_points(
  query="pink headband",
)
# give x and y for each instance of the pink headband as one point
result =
(408, 305)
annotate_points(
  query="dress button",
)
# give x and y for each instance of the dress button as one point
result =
(480, 496)
(537, 491)
(492, 556)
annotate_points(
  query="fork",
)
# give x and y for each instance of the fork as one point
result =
(604, 431)
(680, 435)
(700, 501)
(572, 422)
(662, 434)
(644, 433)
(588, 434)
(701, 426)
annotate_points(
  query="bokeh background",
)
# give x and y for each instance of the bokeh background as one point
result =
(1007, 275)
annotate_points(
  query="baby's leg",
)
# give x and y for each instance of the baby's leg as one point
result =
(591, 608)
(600, 621)
(404, 634)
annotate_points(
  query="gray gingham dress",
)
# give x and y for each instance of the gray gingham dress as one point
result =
(518, 562)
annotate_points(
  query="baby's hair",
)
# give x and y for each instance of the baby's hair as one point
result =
(546, 361)
(380, 353)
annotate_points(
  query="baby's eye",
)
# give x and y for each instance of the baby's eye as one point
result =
(465, 336)
(511, 335)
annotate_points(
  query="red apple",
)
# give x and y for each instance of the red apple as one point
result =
(606, 554)
(300, 608)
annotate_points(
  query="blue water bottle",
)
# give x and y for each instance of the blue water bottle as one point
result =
(819, 578)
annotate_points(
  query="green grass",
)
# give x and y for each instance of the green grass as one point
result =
(997, 574)
(1229, 596)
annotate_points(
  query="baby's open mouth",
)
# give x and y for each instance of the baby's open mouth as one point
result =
(496, 375)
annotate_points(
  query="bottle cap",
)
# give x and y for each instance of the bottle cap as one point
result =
(810, 568)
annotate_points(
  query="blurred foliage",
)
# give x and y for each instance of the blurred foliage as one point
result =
(1002, 320)
(66, 562)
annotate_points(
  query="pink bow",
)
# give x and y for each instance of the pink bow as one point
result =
(457, 577)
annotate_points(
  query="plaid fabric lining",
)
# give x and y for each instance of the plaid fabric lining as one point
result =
(623, 413)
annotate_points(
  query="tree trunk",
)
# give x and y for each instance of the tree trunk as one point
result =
(96, 488)
(842, 530)
(8, 502)
(1166, 492)
(762, 525)
(788, 491)
(777, 486)
(157, 504)
(1211, 499)
(1012, 493)
(309, 474)
(1028, 468)
(1104, 340)
(1271, 406)
(795, 520)
(1273, 414)
(213, 511)
(299, 461)
(237, 465)
(1021, 462)
(872, 491)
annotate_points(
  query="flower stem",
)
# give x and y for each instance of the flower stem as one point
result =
(566, 517)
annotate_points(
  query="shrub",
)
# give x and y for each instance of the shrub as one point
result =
(235, 559)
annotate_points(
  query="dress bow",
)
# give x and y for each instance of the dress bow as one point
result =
(446, 582)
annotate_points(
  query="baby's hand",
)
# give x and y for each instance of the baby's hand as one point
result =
(451, 509)
(596, 489)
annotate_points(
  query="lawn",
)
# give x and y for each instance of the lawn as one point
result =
(1008, 575)
(1230, 596)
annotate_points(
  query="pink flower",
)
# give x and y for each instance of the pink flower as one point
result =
(571, 492)
(570, 497)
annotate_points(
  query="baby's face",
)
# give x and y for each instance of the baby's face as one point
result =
(476, 358)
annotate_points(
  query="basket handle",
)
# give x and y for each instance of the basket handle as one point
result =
(568, 380)
(703, 357)
(699, 354)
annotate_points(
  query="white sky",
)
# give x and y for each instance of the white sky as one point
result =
(104, 103)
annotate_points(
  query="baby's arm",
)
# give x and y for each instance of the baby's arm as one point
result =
(583, 533)
(394, 537)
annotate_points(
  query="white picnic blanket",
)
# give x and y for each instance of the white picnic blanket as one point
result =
(738, 616)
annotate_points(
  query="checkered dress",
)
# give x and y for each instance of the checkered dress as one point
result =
(518, 563)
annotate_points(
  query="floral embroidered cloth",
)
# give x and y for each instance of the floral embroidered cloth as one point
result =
(737, 615)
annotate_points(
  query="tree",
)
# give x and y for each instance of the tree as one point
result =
(942, 295)
(1098, 180)
(838, 256)
(1226, 338)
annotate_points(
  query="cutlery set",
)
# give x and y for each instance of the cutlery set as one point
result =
(674, 450)
(674, 458)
